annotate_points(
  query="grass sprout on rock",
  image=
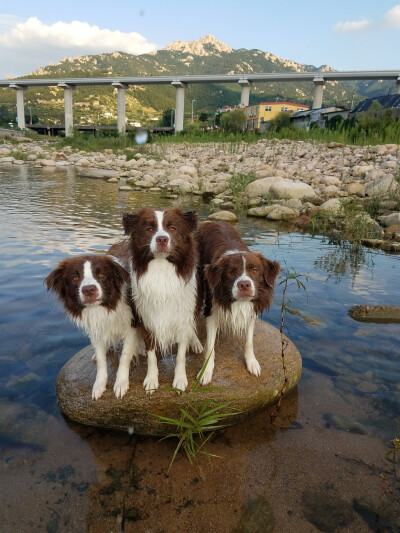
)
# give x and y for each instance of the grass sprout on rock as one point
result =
(196, 419)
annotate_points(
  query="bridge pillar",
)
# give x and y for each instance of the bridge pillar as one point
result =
(19, 91)
(179, 104)
(68, 109)
(245, 95)
(121, 107)
(397, 90)
(318, 92)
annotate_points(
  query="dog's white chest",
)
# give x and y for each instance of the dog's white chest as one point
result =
(165, 302)
(101, 324)
(237, 318)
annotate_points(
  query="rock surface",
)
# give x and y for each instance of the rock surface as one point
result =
(261, 186)
(99, 173)
(286, 189)
(301, 175)
(135, 411)
(226, 216)
(384, 314)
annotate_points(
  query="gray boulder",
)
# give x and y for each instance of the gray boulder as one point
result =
(381, 186)
(135, 411)
(261, 211)
(332, 207)
(261, 186)
(390, 220)
(99, 173)
(226, 216)
(286, 189)
(281, 212)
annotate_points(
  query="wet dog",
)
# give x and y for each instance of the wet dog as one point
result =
(163, 268)
(94, 292)
(238, 285)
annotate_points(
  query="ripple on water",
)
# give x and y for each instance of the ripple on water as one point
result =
(47, 216)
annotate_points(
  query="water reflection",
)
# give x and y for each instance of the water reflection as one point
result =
(349, 368)
(345, 259)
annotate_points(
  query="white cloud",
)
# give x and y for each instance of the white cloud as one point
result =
(357, 26)
(390, 19)
(28, 44)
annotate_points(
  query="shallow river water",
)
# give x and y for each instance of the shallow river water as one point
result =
(322, 466)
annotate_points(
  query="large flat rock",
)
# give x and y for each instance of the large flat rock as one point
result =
(135, 411)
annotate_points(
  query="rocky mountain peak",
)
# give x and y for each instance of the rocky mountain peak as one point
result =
(202, 47)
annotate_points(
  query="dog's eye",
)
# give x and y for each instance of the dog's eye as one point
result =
(150, 229)
(254, 270)
(75, 278)
(231, 274)
(172, 228)
(101, 276)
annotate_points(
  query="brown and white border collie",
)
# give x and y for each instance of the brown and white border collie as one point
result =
(93, 290)
(238, 286)
(164, 285)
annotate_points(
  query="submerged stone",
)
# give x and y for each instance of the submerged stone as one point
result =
(257, 517)
(232, 382)
(325, 509)
(344, 424)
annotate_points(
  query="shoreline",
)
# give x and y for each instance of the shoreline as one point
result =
(345, 191)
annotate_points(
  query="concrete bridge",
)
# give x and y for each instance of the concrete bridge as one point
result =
(245, 81)
(52, 130)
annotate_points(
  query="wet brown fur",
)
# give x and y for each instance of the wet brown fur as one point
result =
(184, 254)
(66, 278)
(218, 272)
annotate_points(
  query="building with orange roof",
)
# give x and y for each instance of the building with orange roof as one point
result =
(258, 114)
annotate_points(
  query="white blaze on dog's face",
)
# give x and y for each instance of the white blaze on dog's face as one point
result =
(242, 276)
(90, 290)
(160, 243)
(243, 287)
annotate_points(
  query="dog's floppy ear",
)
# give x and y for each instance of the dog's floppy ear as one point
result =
(213, 275)
(53, 280)
(271, 271)
(120, 271)
(129, 221)
(191, 219)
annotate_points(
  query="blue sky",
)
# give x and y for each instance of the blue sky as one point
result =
(346, 35)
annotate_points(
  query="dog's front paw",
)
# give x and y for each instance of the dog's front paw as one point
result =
(195, 345)
(180, 382)
(121, 386)
(253, 366)
(150, 384)
(207, 375)
(98, 388)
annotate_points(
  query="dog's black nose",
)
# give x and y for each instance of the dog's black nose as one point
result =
(162, 240)
(89, 290)
(244, 285)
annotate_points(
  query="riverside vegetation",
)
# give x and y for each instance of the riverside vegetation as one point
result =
(344, 190)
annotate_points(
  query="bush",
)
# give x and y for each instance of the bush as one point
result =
(281, 121)
(335, 123)
(234, 121)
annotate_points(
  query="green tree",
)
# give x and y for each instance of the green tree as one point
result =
(168, 118)
(5, 115)
(203, 117)
(234, 121)
(281, 121)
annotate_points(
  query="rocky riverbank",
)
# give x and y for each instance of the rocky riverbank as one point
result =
(351, 190)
